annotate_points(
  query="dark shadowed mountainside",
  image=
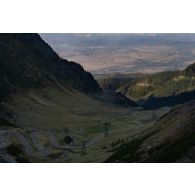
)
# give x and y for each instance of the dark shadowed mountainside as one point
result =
(26, 61)
(44, 99)
(170, 139)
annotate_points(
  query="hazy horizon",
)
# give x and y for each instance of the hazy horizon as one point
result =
(124, 53)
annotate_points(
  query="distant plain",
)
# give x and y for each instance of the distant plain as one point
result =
(125, 53)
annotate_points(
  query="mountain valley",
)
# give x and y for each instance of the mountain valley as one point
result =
(52, 110)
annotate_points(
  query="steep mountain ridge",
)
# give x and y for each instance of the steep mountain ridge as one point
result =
(29, 66)
(154, 91)
(42, 96)
(27, 61)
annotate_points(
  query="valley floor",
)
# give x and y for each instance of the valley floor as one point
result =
(44, 135)
(48, 125)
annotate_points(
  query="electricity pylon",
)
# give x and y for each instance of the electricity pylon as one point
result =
(106, 126)
(84, 150)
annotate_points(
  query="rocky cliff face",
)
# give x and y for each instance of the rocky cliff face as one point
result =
(26, 61)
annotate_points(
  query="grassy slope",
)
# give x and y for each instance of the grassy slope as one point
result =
(47, 111)
(52, 108)
(158, 85)
(170, 139)
(43, 113)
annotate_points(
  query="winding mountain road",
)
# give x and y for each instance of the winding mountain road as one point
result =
(19, 136)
